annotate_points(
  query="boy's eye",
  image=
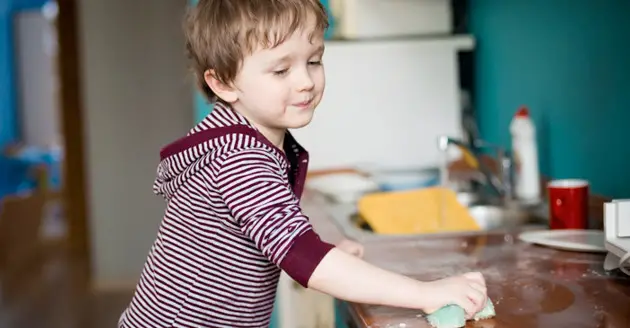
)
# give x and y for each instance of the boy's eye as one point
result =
(280, 72)
(315, 62)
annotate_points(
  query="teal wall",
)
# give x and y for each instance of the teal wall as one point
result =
(201, 106)
(569, 61)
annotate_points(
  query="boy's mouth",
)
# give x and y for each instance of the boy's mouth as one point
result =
(304, 104)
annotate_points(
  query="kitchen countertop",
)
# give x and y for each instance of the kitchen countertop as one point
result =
(531, 286)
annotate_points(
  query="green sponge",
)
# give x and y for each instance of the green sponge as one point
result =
(485, 313)
(449, 316)
(453, 316)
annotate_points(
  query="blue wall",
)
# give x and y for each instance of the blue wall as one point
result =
(569, 61)
(9, 124)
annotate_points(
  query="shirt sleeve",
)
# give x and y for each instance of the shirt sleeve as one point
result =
(253, 187)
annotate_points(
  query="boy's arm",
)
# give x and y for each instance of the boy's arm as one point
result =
(252, 185)
(349, 278)
(261, 201)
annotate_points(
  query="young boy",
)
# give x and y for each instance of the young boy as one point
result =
(233, 185)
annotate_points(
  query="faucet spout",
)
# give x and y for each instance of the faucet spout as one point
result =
(500, 182)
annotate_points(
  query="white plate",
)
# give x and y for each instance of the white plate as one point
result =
(569, 239)
(342, 187)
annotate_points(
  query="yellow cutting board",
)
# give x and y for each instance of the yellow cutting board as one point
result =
(427, 210)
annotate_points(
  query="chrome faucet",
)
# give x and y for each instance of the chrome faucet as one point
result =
(502, 181)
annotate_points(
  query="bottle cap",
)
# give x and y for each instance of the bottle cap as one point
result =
(522, 112)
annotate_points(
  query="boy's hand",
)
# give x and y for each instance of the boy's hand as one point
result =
(351, 247)
(467, 290)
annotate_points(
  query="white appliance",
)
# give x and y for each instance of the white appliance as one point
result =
(617, 230)
(386, 103)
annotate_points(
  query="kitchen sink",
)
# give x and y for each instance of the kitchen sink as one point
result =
(490, 215)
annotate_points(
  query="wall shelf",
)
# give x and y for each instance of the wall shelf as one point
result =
(457, 41)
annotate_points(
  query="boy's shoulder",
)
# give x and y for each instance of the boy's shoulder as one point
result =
(214, 140)
(241, 139)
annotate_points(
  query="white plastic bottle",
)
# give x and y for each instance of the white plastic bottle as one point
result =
(525, 150)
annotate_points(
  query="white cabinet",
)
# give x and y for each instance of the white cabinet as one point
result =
(299, 307)
(356, 19)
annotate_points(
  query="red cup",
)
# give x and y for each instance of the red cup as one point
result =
(568, 204)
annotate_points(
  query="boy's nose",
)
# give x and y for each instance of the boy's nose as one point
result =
(305, 82)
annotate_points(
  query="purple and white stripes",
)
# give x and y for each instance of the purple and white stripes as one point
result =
(232, 221)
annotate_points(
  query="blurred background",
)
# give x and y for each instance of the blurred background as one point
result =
(91, 90)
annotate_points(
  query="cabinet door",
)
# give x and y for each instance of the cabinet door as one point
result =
(303, 308)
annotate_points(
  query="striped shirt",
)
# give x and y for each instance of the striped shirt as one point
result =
(232, 222)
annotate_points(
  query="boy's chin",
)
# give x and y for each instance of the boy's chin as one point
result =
(299, 121)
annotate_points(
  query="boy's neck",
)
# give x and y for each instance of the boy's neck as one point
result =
(275, 136)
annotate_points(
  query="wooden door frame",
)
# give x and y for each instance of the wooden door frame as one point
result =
(75, 191)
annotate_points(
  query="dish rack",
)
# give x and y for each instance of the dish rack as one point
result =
(617, 231)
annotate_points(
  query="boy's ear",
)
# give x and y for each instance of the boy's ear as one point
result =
(225, 92)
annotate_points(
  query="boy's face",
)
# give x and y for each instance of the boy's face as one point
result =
(279, 88)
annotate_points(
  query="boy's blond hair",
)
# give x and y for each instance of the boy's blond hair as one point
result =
(220, 33)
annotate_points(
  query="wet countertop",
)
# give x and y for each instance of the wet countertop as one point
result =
(531, 286)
